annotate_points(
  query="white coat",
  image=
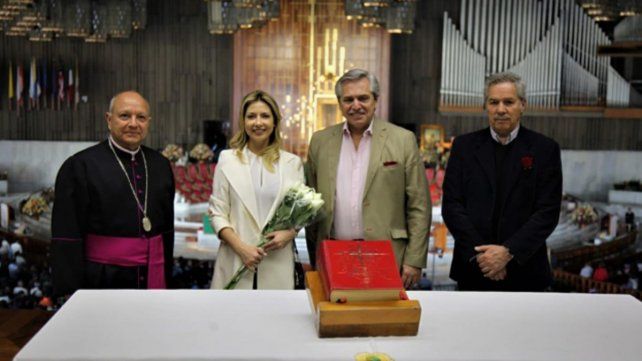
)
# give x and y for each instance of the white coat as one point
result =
(233, 204)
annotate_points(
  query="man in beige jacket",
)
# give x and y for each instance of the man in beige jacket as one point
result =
(371, 177)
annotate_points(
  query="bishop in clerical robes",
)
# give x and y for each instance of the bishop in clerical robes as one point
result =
(113, 216)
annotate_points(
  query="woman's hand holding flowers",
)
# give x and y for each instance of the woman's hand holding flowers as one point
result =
(279, 239)
(298, 208)
(251, 255)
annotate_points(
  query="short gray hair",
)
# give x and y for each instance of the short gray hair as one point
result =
(111, 103)
(357, 74)
(506, 77)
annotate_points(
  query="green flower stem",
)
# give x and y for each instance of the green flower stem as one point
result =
(297, 210)
(241, 271)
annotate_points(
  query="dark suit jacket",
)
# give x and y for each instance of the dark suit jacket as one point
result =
(531, 199)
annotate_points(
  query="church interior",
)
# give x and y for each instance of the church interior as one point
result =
(61, 61)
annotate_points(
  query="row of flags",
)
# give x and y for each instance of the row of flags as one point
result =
(42, 87)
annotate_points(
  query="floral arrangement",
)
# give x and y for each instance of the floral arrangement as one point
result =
(584, 214)
(201, 152)
(48, 194)
(34, 206)
(436, 155)
(173, 152)
(300, 207)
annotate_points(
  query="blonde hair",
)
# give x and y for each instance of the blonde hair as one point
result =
(270, 154)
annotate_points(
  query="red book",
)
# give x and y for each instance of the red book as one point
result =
(353, 271)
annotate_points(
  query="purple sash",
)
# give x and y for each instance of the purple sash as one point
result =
(128, 252)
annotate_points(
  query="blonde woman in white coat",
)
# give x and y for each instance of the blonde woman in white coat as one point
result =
(249, 183)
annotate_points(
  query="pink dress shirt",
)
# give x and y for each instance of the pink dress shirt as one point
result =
(351, 180)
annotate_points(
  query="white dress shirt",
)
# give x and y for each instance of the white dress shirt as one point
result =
(266, 184)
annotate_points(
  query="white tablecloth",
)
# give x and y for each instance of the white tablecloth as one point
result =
(278, 325)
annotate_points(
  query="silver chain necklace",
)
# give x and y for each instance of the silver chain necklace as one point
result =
(147, 224)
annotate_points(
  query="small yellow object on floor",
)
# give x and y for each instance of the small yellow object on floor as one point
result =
(375, 356)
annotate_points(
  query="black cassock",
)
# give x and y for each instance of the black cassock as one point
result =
(93, 198)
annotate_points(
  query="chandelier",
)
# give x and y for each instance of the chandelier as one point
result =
(119, 20)
(98, 24)
(396, 16)
(77, 19)
(227, 16)
(611, 10)
(92, 20)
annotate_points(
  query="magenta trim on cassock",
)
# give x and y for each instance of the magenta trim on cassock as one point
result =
(66, 239)
(128, 252)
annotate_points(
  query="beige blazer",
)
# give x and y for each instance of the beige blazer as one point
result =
(233, 204)
(396, 204)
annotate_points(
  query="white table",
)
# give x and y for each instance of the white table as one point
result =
(278, 325)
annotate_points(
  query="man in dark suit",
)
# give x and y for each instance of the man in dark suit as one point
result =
(502, 196)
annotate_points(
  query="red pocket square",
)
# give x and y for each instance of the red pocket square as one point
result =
(389, 163)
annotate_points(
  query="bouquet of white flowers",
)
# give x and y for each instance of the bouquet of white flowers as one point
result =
(300, 207)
